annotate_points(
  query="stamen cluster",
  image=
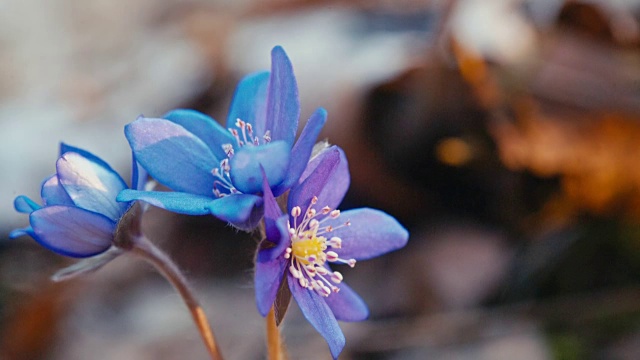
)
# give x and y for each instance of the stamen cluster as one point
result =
(243, 133)
(310, 249)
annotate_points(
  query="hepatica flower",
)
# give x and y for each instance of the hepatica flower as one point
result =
(213, 169)
(79, 214)
(303, 243)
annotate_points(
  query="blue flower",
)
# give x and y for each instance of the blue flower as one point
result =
(314, 234)
(80, 214)
(216, 170)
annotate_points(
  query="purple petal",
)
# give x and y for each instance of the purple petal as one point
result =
(90, 185)
(371, 233)
(317, 312)
(279, 238)
(204, 127)
(72, 231)
(302, 150)
(245, 172)
(172, 155)
(53, 193)
(25, 205)
(283, 105)
(237, 209)
(183, 203)
(315, 182)
(271, 211)
(338, 182)
(346, 305)
(250, 102)
(268, 276)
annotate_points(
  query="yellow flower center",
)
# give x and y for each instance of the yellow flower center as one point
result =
(313, 245)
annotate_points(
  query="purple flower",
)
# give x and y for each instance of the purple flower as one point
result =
(216, 170)
(315, 234)
(80, 214)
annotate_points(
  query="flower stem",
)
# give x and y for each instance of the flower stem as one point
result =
(148, 251)
(275, 345)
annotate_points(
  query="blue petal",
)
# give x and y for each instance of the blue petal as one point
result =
(204, 127)
(371, 233)
(72, 231)
(139, 176)
(249, 102)
(346, 305)
(315, 182)
(236, 209)
(283, 105)
(302, 150)
(65, 148)
(20, 232)
(268, 275)
(182, 203)
(172, 155)
(317, 312)
(53, 193)
(245, 172)
(25, 205)
(90, 185)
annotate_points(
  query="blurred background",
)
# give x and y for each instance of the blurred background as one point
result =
(504, 134)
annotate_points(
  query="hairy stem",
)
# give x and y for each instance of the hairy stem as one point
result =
(275, 345)
(148, 251)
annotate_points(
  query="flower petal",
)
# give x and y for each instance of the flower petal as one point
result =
(302, 150)
(278, 240)
(346, 305)
(249, 102)
(65, 148)
(183, 203)
(204, 127)
(20, 232)
(139, 176)
(245, 172)
(371, 233)
(53, 193)
(237, 209)
(272, 212)
(317, 312)
(25, 205)
(339, 179)
(172, 155)
(72, 231)
(268, 276)
(315, 182)
(90, 185)
(283, 105)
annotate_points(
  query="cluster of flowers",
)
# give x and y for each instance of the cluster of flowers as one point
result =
(237, 174)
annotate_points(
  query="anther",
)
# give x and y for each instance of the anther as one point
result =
(314, 200)
(326, 210)
(335, 242)
(334, 214)
(336, 277)
(295, 212)
(332, 256)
